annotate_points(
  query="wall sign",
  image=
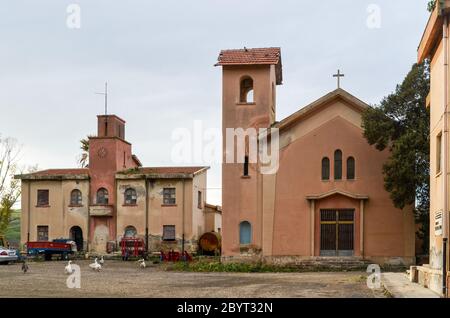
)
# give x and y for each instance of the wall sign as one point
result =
(438, 223)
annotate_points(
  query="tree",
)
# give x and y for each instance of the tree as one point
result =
(9, 187)
(83, 160)
(431, 5)
(401, 123)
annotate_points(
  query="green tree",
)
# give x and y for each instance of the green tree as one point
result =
(401, 123)
(9, 187)
(431, 5)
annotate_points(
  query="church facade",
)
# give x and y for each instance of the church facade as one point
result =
(116, 197)
(327, 197)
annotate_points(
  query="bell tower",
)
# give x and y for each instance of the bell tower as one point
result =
(109, 153)
(249, 80)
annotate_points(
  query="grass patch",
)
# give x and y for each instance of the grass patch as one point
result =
(12, 233)
(218, 267)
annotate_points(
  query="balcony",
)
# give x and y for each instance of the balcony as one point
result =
(101, 210)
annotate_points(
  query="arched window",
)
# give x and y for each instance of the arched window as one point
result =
(130, 196)
(325, 169)
(338, 165)
(75, 197)
(246, 90)
(350, 168)
(130, 231)
(102, 196)
(245, 232)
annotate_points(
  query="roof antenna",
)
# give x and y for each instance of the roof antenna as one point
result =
(246, 50)
(106, 97)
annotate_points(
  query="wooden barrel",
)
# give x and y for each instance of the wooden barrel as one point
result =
(210, 242)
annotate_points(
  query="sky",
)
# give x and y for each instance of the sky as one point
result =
(158, 57)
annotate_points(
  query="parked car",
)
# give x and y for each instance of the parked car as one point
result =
(7, 255)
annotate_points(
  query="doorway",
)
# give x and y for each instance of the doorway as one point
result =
(76, 234)
(337, 232)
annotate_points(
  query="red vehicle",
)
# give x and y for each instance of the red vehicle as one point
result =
(173, 256)
(48, 249)
(132, 247)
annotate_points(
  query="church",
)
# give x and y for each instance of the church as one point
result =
(327, 197)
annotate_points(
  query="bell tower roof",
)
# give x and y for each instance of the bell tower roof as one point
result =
(253, 56)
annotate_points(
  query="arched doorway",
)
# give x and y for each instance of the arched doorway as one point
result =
(76, 234)
(130, 231)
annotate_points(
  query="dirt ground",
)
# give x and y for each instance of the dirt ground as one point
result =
(126, 279)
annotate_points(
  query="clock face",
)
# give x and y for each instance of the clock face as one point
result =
(102, 152)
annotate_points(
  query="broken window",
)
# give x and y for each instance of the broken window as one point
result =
(102, 196)
(75, 197)
(130, 196)
(169, 232)
(42, 233)
(42, 197)
(169, 197)
(130, 231)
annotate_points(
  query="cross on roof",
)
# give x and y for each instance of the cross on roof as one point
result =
(338, 75)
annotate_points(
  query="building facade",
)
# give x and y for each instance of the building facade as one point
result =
(327, 197)
(435, 46)
(115, 197)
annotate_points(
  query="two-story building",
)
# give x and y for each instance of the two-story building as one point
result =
(115, 197)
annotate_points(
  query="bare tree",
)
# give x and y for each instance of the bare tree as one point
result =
(9, 187)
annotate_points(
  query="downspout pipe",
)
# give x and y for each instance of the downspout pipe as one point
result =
(183, 221)
(445, 214)
(146, 216)
(29, 211)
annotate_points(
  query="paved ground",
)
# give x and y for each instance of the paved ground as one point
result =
(125, 279)
(399, 286)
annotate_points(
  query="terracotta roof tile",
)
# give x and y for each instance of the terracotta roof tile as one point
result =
(256, 56)
(245, 56)
(54, 172)
(165, 170)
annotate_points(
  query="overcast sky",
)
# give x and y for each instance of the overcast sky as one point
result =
(158, 57)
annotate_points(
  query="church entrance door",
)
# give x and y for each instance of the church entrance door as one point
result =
(337, 232)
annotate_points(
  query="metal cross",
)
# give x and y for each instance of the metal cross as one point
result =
(339, 75)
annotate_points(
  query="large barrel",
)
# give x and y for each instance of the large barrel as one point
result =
(210, 243)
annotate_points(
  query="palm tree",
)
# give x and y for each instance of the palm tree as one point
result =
(84, 157)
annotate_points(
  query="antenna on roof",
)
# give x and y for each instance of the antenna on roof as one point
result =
(106, 97)
(246, 50)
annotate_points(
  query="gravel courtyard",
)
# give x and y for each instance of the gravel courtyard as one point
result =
(125, 279)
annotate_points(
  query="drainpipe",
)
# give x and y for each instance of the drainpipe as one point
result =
(182, 234)
(146, 215)
(445, 216)
(88, 238)
(29, 210)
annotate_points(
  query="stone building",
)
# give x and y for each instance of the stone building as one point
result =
(435, 46)
(327, 198)
(115, 197)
